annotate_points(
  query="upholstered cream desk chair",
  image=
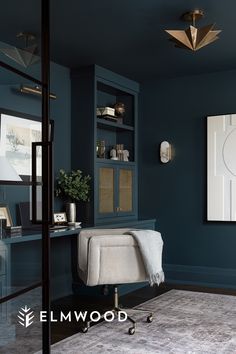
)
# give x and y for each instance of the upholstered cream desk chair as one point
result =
(108, 256)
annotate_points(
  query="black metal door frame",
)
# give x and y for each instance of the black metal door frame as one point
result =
(46, 172)
(47, 179)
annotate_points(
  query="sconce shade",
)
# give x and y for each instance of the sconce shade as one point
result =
(165, 152)
(7, 172)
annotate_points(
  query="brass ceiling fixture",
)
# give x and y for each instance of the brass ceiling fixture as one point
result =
(193, 38)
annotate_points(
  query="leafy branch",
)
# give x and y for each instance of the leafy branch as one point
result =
(73, 186)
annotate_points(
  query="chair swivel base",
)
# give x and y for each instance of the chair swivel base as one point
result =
(116, 309)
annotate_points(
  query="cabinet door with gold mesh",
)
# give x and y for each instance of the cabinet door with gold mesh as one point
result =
(106, 190)
(126, 190)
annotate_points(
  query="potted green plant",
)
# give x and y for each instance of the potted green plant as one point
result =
(72, 187)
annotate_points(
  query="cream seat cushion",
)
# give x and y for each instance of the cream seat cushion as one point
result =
(107, 256)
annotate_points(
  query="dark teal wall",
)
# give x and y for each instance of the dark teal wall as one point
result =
(60, 113)
(175, 193)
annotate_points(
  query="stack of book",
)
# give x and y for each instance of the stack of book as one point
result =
(106, 113)
(12, 231)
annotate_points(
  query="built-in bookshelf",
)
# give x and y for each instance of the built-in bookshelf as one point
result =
(114, 194)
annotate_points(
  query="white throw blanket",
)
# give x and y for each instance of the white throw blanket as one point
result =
(150, 244)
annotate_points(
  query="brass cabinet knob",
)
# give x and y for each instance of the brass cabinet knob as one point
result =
(118, 209)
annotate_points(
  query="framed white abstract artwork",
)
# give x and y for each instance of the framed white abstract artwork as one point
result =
(16, 137)
(221, 168)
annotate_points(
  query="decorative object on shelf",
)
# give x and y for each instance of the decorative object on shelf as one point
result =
(126, 155)
(105, 111)
(25, 56)
(113, 154)
(119, 149)
(59, 218)
(35, 90)
(72, 187)
(101, 149)
(7, 172)
(165, 152)
(193, 38)
(118, 153)
(5, 214)
(119, 112)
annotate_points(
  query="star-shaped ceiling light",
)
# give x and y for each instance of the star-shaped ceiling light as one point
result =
(24, 56)
(193, 38)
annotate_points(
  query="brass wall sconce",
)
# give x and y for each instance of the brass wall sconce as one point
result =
(35, 90)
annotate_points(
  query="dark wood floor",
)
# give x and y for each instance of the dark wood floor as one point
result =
(82, 303)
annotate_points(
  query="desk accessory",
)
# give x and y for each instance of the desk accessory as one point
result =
(76, 224)
(13, 231)
(59, 218)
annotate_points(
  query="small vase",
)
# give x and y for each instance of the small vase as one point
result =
(71, 212)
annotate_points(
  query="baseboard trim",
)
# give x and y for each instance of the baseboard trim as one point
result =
(128, 288)
(202, 276)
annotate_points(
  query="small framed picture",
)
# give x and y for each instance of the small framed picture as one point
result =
(59, 218)
(5, 214)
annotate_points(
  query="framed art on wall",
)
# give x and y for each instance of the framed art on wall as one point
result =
(17, 133)
(221, 168)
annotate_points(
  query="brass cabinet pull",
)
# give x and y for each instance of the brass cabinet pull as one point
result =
(118, 209)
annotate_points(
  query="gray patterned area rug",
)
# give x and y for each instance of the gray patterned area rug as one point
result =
(184, 322)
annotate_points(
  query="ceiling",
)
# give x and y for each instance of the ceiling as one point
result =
(127, 36)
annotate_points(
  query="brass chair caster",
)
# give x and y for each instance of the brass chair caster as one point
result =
(149, 318)
(131, 330)
(84, 329)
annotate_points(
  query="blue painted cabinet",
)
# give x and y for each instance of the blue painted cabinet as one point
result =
(114, 190)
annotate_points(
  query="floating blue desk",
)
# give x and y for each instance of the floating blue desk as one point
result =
(21, 261)
(21, 258)
(31, 235)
